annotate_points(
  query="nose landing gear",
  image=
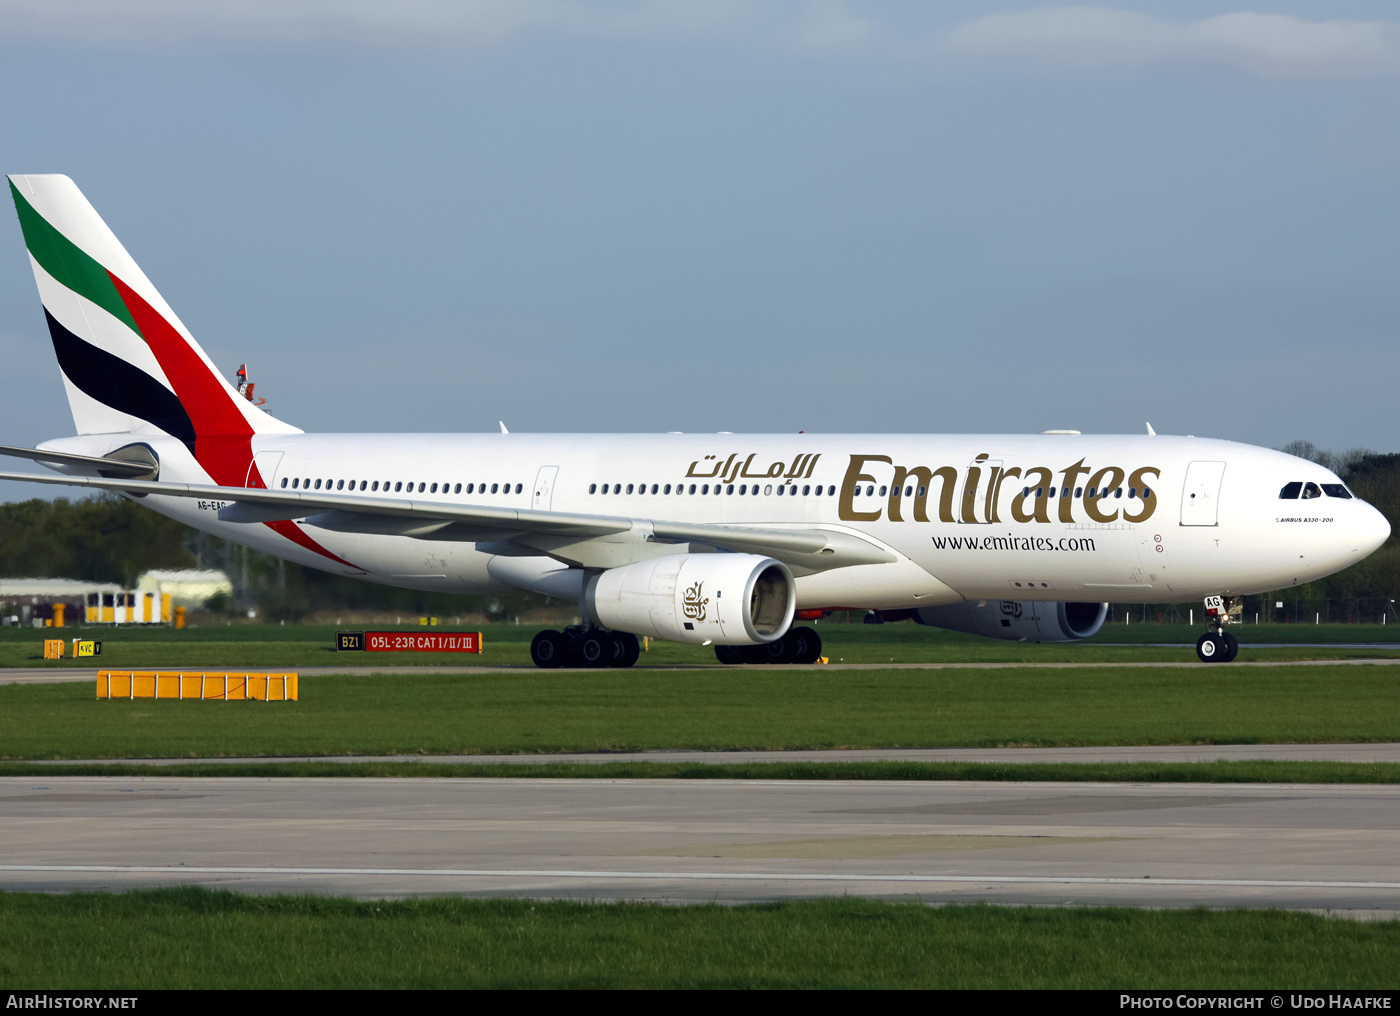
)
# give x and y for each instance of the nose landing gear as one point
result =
(1219, 646)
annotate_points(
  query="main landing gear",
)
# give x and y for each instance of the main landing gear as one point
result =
(1219, 646)
(583, 645)
(799, 645)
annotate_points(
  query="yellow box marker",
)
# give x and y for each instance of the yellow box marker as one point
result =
(53, 649)
(197, 684)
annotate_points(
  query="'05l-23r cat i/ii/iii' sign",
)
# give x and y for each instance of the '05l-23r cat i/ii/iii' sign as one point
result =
(408, 642)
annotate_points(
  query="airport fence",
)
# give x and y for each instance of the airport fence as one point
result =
(1275, 608)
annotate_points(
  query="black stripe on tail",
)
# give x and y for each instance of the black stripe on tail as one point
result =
(113, 382)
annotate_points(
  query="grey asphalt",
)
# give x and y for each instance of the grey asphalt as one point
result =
(1334, 849)
(48, 675)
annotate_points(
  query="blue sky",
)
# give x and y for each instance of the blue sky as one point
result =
(650, 216)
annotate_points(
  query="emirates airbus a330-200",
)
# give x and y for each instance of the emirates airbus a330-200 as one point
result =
(716, 539)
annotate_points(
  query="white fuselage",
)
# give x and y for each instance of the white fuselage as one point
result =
(1146, 519)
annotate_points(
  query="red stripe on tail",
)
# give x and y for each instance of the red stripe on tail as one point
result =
(223, 442)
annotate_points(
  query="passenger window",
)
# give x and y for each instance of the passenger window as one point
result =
(922, 490)
(458, 489)
(1052, 491)
(519, 487)
(1118, 492)
(870, 491)
(653, 488)
(692, 488)
(705, 489)
(318, 484)
(1132, 492)
(374, 485)
(831, 491)
(667, 489)
(806, 489)
(434, 490)
(780, 490)
(729, 489)
(629, 488)
(284, 481)
(768, 488)
(495, 487)
(1146, 492)
(1310, 490)
(1336, 490)
(296, 482)
(1078, 491)
(1039, 493)
(1025, 491)
(592, 488)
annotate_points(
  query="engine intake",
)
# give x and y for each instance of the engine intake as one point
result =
(725, 599)
(1018, 620)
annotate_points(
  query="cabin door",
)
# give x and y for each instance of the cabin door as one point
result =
(1200, 496)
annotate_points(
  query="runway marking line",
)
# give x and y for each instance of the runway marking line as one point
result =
(167, 869)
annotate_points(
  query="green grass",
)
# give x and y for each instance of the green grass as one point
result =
(142, 648)
(195, 938)
(727, 707)
(1265, 771)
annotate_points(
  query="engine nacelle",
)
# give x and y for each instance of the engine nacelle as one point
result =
(726, 599)
(1018, 620)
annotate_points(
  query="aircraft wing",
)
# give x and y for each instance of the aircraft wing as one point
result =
(587, 540)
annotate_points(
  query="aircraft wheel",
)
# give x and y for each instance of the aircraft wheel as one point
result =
(730, 654)
(631, 648)
(754, 654)
(1210, 648)
(779, 651)
(596, 649)
(807, 645)
(1232, 647)
(549, 649)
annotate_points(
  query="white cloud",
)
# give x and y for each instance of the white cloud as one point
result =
(1086, 38)
(1094, 37)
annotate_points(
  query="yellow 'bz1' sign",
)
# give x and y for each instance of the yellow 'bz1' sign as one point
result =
(349, 640)
(85, 647)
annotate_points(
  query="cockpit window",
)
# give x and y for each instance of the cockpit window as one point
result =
(1290, 491)
(1311, 490)
(1336, 490)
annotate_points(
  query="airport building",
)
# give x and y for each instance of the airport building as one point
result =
(58, 602)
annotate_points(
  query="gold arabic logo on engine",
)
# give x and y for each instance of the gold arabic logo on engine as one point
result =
(692, 605)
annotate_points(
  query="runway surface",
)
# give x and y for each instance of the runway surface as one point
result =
(1334, 848)
(51, 675)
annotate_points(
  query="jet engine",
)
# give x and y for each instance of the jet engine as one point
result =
(1017, 620)
(724, 599)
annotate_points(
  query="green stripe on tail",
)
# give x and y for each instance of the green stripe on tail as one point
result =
(68, 263)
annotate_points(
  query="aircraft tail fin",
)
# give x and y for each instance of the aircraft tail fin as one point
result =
(128, 364)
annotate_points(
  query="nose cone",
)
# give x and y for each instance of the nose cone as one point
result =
(1369, 529)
